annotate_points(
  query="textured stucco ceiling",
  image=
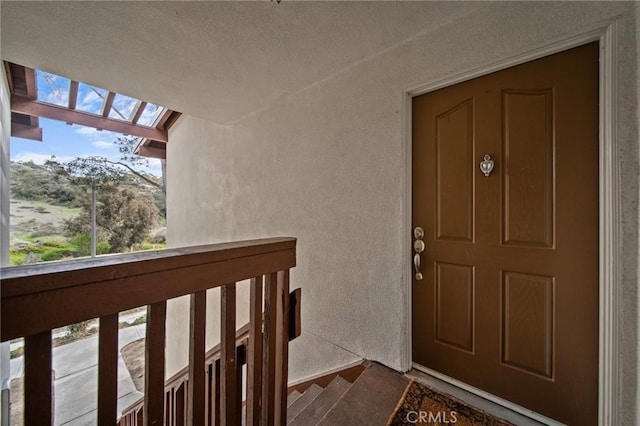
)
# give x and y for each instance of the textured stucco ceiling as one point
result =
(215, 60)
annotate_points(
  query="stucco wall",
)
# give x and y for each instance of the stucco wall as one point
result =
(637, 280)
(327, 165)
(5, 135)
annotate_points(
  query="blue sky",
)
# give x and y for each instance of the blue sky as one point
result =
(67, 142)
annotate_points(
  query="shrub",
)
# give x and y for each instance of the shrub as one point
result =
(82, 242)
(79, 328)
(56, 254)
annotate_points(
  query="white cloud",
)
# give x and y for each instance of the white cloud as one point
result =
(86, 131)
(95, 134)
(103, 145)
(124, 105)
(90, 99)
(58, 97)
(155, 168)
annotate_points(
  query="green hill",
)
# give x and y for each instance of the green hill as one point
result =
(43, 201)
(32, 182)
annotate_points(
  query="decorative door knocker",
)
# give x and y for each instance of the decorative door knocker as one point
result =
(486, 166)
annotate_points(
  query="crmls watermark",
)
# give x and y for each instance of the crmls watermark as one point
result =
(425, 417)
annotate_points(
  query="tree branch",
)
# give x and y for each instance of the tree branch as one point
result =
(135, 172)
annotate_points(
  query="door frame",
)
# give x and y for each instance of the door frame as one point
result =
(609, 202)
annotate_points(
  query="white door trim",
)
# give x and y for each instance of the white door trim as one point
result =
(609, 186)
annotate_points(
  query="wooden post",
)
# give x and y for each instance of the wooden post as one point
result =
(216, 392)
(108, 370)
(154, 364)
(283, 339)
(269, 347)
(196, 389)
(254, 359)
(228, 414)
(38, 384)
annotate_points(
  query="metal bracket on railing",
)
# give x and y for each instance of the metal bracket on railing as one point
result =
(295, 326)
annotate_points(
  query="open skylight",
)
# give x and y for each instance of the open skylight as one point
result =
(122, 108)
(150, 114)
(37, 93)
(52, 88)
(90, 98)
(57, 90)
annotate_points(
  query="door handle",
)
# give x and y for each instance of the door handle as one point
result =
(418, 248)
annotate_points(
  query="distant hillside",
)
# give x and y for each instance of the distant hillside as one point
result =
(46, 207)
(32, 182)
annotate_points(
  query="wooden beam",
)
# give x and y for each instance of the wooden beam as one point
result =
(147, 151)
(27, 106)
(137, 112)
(108, 103)
(73, 94)
(172, 119)
(9, 75)
(30, 80)
(26, 132)
(162, 119)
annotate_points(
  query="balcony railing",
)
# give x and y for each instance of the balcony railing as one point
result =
(39, 298)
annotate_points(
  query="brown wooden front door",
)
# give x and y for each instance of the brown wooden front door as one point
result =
(509, 298)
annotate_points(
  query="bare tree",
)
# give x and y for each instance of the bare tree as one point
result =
(97, 171)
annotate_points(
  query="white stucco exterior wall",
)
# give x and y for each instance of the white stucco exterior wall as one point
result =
(5, 135)
(637, 305)
(327, 165)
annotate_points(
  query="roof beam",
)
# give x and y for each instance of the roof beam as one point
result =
(26, 132)
(108, 103)
(30, 80)
(9, 75)
(27, 106)
(148, 151)
(162, 118)
(138, 112)
(166, 119)
(175, 115)
(73, 94)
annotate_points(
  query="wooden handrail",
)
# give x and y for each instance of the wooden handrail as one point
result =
(65, 293)
(38, 298)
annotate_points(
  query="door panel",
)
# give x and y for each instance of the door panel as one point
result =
(527, 322)
(454, 163)
(509, 299)
(528, 199)
(454, 305)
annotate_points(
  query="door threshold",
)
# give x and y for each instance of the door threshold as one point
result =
(483, 400)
